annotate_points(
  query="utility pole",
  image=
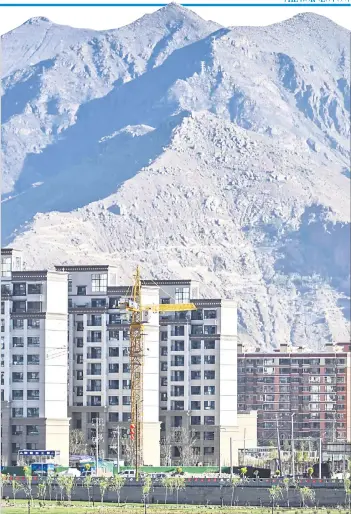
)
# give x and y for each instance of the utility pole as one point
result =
(292, 446)
(118, 448)
(231, 457)
(278, 444)
(97, 423)
(320, 458)
(136, 445)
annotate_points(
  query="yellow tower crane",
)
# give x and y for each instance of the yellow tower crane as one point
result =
(134, 305)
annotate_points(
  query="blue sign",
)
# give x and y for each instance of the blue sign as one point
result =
(41, 453)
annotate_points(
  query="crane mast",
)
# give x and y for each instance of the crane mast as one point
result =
(134, 306)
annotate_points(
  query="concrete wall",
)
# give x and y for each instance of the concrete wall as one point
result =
(206, 495)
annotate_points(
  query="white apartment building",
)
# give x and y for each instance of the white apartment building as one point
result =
(190, 377)
(33, 360)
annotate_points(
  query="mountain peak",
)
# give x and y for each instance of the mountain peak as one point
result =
(37, 20)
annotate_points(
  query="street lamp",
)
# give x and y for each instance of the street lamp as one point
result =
(293, 445)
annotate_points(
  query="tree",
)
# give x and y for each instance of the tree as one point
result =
(103, 485)
(77, 442)
(61, 481)
(235, 481)
(286, 483)
(179, 483)
(146, 488)
(42, 491)
(117, 483)
(275, 493)
(306, 494)
(243, 473)
(168, 484)
(88, 483)
(128, 451)
(16, 486)
(185, 440)
(49, 481)
(28, 482)
(310, 472)
(69, 483)
(166, 450)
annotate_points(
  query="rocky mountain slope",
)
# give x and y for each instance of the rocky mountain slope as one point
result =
(196, 150)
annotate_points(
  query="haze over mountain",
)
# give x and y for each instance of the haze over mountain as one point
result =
(198, 151)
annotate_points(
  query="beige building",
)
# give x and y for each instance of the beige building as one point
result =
(33, 360)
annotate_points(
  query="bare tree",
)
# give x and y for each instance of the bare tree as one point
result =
(185, 440)
(77, 442)
(128, 450)
(166, 450)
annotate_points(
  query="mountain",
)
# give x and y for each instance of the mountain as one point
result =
(219, 154)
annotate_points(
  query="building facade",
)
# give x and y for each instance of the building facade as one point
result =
(33, 359)
(312, 390)
(190, 378)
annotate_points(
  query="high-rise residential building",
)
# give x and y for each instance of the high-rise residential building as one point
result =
(33, 359)
(310, 389)
(190, 378)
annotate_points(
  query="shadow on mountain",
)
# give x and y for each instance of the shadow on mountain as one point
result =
(319, 247)
(118, 160)
(16, 98)
(140, 101)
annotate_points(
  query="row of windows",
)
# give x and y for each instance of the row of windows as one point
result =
(289, 362)
(32, 376)
(18, 360)
(31, 323)
(196, 360)
(194, 405)
(177, 421)
(18, 342)
(22, 289)
(32, 412)
(30, 430)
(20, 307)
(194, 390)
(32, 394)
(178, 376)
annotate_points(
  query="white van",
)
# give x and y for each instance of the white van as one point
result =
(128, 473)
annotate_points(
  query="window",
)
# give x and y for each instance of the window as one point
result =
(17, 342)
(125, 351)
(16, 430)
(33, 412)
(34, 289)
(70, 283)
(209, 405)
(33, 323)
(164, 351)
(177, 360)
(81, 290)
(126, 416)
(177, 405)
(195, 420)
(210, 314)
(19, 289)
(15, 447)
(164, 336)
(126, 368)
(99, 283)
(210, 345)
(18, 323)
(33, 394)
(209, 375)
(6, 266)
(127, 384)
(165, 301)
(126, 400)
(79, 390)
(33, 360)
(178, 330)
(113, 417)
(209, 420)
(79, 358)
(195, 406)
(113, 368)
(80, 326)
(196, 345)
(17, 394)
(17, 377)
(209, 390)
(113, 400)
(196, 359)
(32, 430)
(210, 359)
(209, 329)
(18, 307)
(195, 390)
(98, 302)
(177, 346)
(163, 397)
(196, 375)
(164, 381)
(17, 412)
(79, 375)
(208, 436)
(113, 384)
(17, 360)
(33, 341)
(79, 342)
(182, 295)
(163, 366)
(209, 450)
(34, 306)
